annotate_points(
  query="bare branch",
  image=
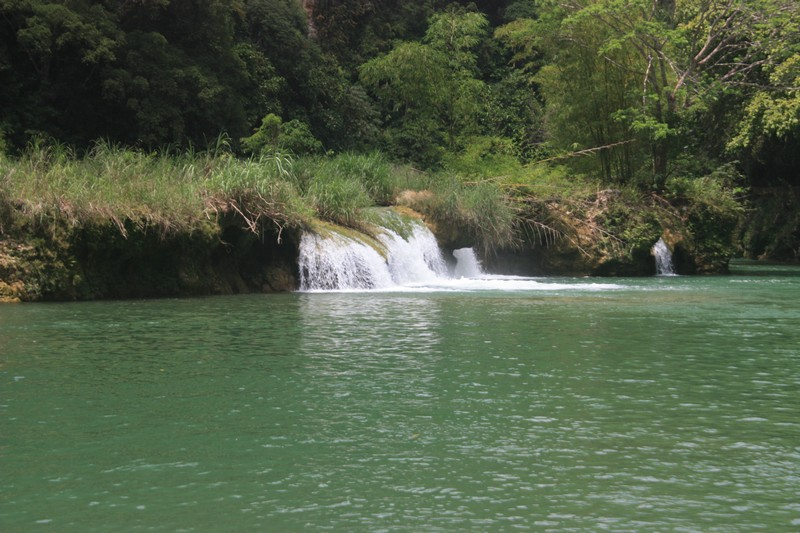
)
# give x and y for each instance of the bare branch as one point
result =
(587, 151)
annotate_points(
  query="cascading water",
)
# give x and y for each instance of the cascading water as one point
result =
(415, 260)
(467, 264)
(663, 257)
(340, 262)
(404, 256)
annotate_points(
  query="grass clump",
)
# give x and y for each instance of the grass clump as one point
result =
(49, 182)
(174, 192)
(377, 176)
(373, 171)
(261, 188)
(170, 192)
(341, 187)
(480, 210)
(339, 199)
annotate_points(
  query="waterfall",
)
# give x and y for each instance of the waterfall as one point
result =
(663, 258)
(339, 261)
(467, 264)
(403, 255)
(415, 260)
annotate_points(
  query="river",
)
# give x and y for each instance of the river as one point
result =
(658, 404)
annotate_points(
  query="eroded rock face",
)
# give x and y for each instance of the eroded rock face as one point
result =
(568, 260)
(611, 234)
(98, 262)
(12, 288)
(604, 234)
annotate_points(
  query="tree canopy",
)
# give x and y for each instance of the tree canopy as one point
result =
(630, 91)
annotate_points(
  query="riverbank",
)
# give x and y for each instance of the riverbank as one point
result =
(119, 223)
(772, 229)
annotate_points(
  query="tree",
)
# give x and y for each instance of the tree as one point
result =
(53, 57)
(148, 72)
(275, 135)
(585, 83)
(180, 79)
(430, 89)
(663, 58)
(156, 72)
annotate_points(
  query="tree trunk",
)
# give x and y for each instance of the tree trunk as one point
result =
(660, 159)
(661, 145)
(309, 7)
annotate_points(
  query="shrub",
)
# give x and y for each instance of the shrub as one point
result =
(484, 157)
(712, 208)
(478, 210)
(339, 199)
(273, 135)
(296, 137)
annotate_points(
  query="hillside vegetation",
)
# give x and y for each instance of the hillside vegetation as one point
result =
(588, 128)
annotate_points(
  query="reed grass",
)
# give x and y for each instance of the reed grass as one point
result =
(173, 192)
(341, 187)
(179, 192)
(481, 210)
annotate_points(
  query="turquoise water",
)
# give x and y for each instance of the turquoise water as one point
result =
(661, 404)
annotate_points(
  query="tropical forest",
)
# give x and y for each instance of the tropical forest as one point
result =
(177, 147)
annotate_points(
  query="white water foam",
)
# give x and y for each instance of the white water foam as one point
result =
(415, 260)
(663, 257)
(467, 264)
(339, 263)
(505, 284)
(342, 263)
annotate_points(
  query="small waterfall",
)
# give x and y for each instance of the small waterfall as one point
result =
(403, 256)
(339, 262)
(343, 262)
(415, 260)
(663, 258)
(467, 264)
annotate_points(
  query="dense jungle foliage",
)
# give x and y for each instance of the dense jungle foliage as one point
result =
(678, 100)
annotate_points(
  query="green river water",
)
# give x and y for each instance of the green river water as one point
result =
(661, 404)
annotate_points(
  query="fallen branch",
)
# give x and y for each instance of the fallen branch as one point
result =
(587, 151)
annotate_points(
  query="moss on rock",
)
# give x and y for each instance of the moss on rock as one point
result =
(99, 261)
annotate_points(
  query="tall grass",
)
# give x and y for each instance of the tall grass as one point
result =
(50, 181)
(262, 188)
(341, 187)
(480, 210)
(181, 191)
(172, 192)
